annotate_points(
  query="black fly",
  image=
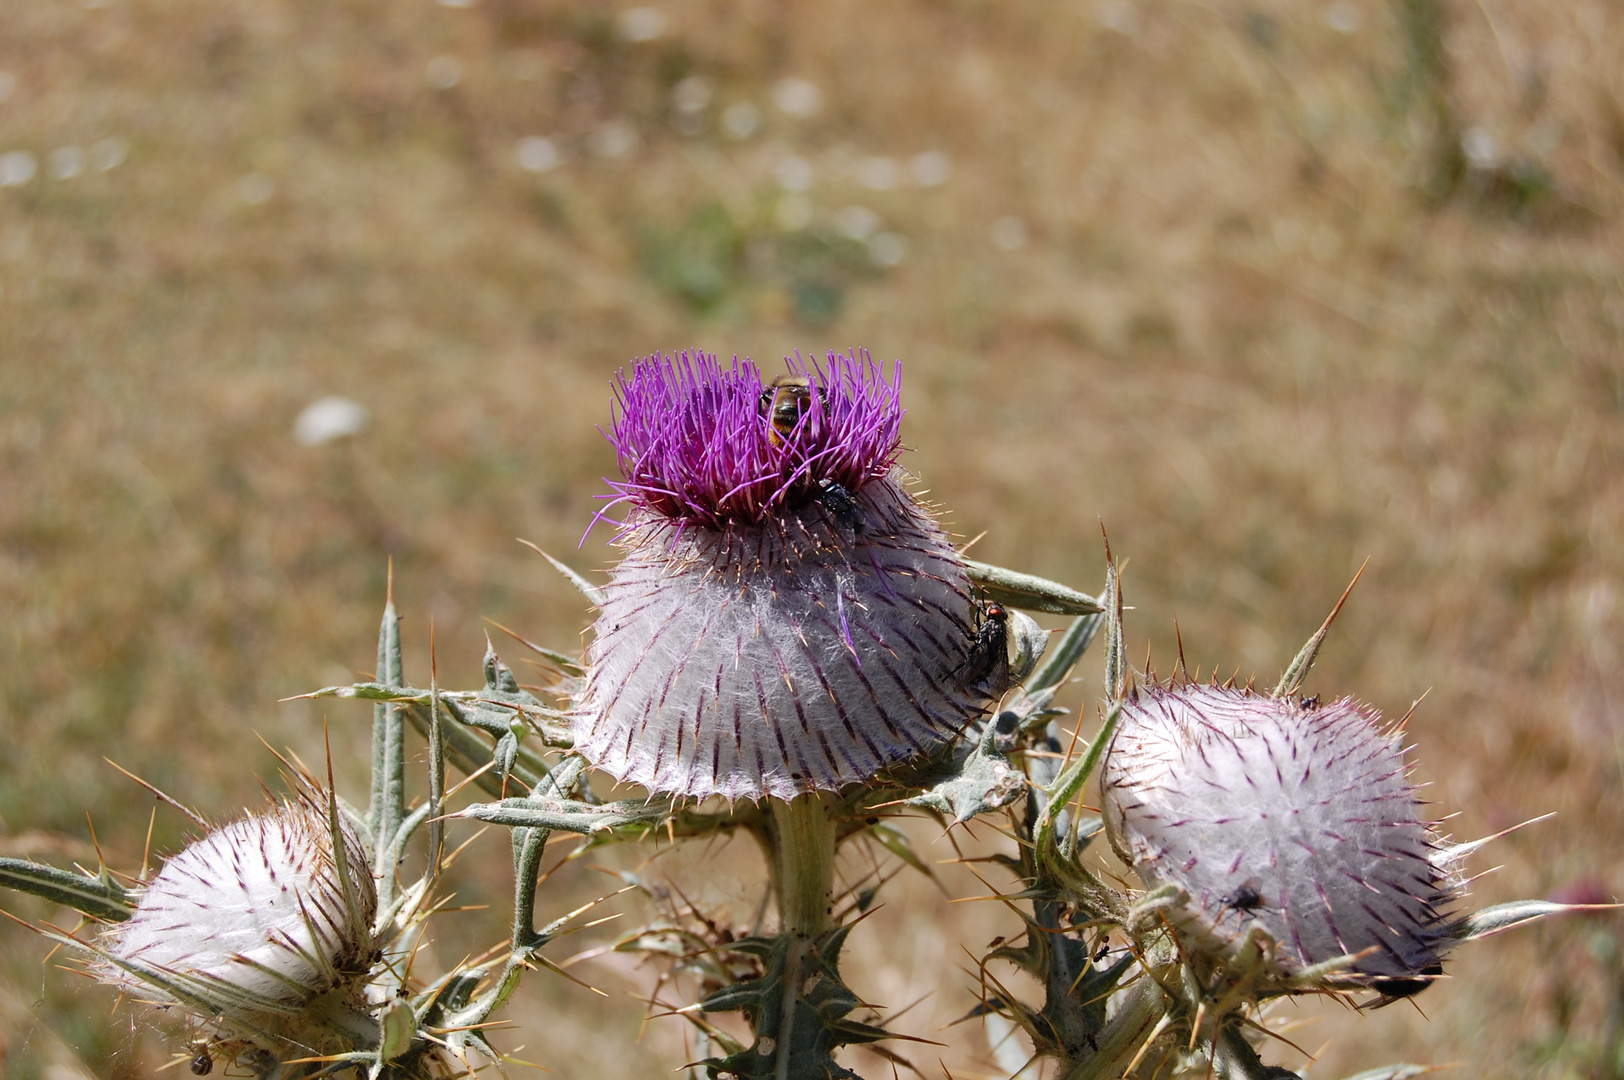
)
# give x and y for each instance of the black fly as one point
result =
(987, 666)
(1308, 703)
(841, 506)
(1243, 898)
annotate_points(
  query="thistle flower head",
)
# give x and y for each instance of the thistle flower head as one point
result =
(785, 616)
(253, 925)
(1290, 816)
(715, 446)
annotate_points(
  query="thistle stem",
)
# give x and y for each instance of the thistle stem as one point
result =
(1236, 1060)
(802, 843)
(801, 852)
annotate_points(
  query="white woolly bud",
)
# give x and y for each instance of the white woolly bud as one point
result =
(253, 923)
(1294, 817)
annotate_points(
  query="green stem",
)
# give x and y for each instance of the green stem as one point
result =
(801, 843)
(803, 864)
(1135, 1020)
(1235, 1059)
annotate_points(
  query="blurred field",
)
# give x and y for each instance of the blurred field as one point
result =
(1268, 288)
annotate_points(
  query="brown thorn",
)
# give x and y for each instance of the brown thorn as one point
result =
(101, 861)
(470, 778)
(522, 640)
(1404, 721)
(1248, 1021)
(196, 818)
(146, 849)
(1325, 627)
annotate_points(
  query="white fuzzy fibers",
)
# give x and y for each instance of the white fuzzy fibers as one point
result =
(253, 918)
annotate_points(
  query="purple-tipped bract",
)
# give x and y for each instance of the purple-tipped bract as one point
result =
(1292, 815)
(786, 617)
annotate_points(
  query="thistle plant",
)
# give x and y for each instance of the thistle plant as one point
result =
(790, 646)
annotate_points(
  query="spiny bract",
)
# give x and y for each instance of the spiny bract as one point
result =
(1292, 816)
(764, 634)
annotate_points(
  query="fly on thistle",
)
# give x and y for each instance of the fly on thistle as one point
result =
(786, 617)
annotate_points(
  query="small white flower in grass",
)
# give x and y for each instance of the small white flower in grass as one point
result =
(443, 72)
(930, 169)
(1291, 816)
(1289, 234)
(17, 168)
(1344, 17)
(641, 24)
(615, 141)
(256, 189)
(888, 248)
(1118, 15)
(66, 162)
(740, 120)
(799, 98)
(857, 222)
(109, 153)
(878, 173)
(538, 154)
(689, 100)
(1481, 148)
(692, 94)
(1009, 234)
(329, 418)
(794, 173)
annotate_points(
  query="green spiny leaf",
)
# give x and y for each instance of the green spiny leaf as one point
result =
(1028, 591)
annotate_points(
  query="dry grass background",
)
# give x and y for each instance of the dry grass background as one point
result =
(1216, 272)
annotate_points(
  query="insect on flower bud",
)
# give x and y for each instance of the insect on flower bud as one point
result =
(785, 616)
(253, 924)
(1293, 816)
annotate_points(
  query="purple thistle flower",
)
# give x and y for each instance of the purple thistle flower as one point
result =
(786, 617)
(696, 443)
(1297, 817)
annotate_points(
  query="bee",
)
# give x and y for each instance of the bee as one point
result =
(203, 1062)
(987, 666)
(1244, 898)
(841, 506)
(784, 402)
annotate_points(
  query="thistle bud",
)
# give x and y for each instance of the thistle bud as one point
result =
(1291, 816)
(264, 925)
(786, 617)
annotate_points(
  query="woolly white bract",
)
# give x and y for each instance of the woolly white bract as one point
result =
(253, 922)
(1295, 817)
